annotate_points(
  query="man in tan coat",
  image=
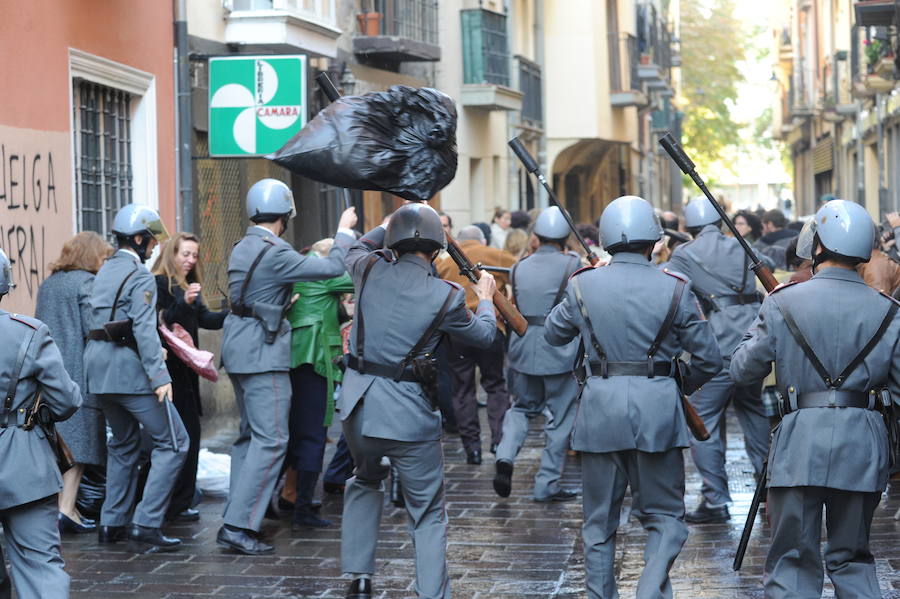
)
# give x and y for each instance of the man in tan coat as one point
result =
(464, 358)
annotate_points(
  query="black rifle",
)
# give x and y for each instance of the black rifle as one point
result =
(765, 276)
(332, 93)
(532, 167)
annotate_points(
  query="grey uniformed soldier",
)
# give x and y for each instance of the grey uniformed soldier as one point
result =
(256, 352)
(630, 427)
(542, 378)
(124, 368)
(30, 363)
(720, 276)
(831, 448)
(383, 407)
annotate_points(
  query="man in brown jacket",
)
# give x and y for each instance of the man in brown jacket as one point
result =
(464, 358)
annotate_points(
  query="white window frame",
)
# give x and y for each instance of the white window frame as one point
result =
(142, 86)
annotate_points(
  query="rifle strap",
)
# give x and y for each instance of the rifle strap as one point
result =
(717, 276)
(830, 381)
(358, 315)
(14, 377)
(595, 343)
(269, 245)
(666, 325)
(112, 313)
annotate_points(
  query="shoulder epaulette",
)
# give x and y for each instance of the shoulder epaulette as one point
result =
(453, 284)
(676, 275)
(783, 286)
(31, 322)
(890, 297)
(269, 240)
(581, 270)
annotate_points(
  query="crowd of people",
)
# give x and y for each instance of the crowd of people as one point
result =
(327, 331)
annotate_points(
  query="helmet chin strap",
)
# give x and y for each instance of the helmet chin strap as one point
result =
(140, 248)
(818, 258)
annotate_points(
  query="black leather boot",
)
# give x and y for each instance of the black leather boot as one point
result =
(361, 588)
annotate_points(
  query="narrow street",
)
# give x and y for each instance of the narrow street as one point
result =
(498, 548)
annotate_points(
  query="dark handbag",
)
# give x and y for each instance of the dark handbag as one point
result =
(40, 416)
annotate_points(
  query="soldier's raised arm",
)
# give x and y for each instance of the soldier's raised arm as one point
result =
(294, 266)
(365, 245)
(471, 329)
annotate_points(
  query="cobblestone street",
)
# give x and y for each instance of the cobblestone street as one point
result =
(498, 548)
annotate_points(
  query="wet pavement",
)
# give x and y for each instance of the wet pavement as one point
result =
(497, 548)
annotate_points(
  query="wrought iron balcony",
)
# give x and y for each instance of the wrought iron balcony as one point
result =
(624, 85)
(655, 47)
(530, 86)
(394, 31)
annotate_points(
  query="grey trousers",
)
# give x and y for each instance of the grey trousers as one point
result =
(421, 469)
(553, 395)
(125, 415)
(794, 563)
(32, 542)
(657, 492)
(264, 402)
(709, 456)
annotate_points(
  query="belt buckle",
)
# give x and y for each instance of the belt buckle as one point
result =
(832, 398)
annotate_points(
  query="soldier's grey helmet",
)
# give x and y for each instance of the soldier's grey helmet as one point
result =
(842, 227)
(415, 227)
(269, 199)
(137, 219)
(6, 282)
(699, 212)
(551, 224)
(628, 220)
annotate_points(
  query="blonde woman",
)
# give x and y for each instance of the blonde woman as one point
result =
(179, 283)
(62, 303)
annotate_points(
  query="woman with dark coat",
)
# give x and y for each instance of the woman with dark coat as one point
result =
(62, 305)
(178, 283)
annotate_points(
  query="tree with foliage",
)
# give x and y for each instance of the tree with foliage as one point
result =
(712, 47)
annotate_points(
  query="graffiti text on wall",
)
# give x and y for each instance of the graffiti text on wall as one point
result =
(27, 196)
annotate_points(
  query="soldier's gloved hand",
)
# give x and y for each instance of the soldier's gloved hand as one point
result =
(486, 286)
(348, 218)
(164, 392)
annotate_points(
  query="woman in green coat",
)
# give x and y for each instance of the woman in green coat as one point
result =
(315, 349)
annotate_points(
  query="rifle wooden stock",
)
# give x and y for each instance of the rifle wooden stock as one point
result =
(510, 314)
(694, 422)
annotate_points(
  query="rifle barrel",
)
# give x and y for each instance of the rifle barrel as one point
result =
(532, 167)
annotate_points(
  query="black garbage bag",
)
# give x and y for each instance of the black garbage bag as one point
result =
(402, 141)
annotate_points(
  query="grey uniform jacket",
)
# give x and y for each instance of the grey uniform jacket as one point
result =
(537, 279)
(627, 302)
(723, 256)
(28, 470)
(244, 347)
(841, 448)
(110, 368)
(399, 301)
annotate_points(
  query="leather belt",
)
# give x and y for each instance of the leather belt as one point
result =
(99, 335)
(835, 398)
(19, 417)
(382, 370)
(631, 369)
(242, 310)
(741, 299)
(537, 321)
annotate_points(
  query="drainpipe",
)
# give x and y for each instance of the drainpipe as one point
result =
(541, 201)
(184, 198)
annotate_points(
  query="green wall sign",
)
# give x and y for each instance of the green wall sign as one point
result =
(256, 103)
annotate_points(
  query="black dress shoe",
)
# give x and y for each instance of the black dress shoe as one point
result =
(308, 519)
(503, 478)
(361, 588)
(67, 526)
(494, 448)
(474, 457)
(110, 534)
(560, 496)
(188, 515)
(151, 540)
(708, 515)
(333, 488)
(242, 542)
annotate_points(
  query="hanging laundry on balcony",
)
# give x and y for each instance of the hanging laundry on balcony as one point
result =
(402, 141)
